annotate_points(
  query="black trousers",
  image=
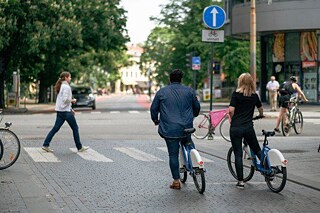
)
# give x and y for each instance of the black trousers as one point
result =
(237, 134)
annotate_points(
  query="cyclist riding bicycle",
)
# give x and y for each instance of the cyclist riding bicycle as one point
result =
(286, 91)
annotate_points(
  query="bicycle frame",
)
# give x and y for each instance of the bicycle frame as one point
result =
(187, 152)
(273, 157)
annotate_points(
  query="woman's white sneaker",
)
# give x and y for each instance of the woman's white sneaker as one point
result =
(240, 185)
(84, 148)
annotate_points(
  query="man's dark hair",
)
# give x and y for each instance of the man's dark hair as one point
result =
(176, 75)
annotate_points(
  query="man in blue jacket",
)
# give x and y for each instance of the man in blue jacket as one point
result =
(177, 106)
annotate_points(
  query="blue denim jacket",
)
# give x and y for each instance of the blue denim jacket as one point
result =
(177, 105)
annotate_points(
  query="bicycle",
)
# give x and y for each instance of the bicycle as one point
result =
(190, 161)
(272, 167)
(9, 145)
(205, 125)
(293, 118)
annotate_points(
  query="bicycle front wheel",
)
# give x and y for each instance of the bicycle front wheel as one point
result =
(225, 129)
(202, 126)
(298, 122)
(278, 178)
(11, 148)
(248, 169)
(199, 180)
(285, 125)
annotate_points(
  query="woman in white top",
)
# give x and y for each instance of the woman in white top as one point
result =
(64, 113)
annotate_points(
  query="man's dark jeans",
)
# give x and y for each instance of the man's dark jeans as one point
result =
(61, 118)
(173, 145)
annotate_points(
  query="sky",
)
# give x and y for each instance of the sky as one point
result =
(139, 26)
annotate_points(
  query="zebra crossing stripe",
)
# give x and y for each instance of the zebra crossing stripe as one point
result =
(310, 120)
(206, 160)
(39, 155)
(137, 154)
(92, 155)
(133, 111)
(114, 112)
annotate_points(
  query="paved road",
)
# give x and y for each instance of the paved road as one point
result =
(127, 171)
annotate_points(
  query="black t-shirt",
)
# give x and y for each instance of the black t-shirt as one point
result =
(244, 108)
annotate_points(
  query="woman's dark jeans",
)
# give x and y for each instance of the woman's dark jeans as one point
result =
(61, 118)
(237, 134)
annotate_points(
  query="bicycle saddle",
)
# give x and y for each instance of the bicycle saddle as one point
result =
(189, 130)
(268, 133)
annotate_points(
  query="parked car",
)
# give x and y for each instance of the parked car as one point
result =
(85, 97)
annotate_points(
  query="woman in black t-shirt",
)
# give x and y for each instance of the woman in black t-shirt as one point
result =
(241, 109)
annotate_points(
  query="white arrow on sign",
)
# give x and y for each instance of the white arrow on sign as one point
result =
(214, 12)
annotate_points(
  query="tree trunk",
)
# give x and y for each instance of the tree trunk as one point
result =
(43, 96)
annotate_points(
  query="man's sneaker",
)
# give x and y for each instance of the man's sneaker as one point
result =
(47, 149)
(277, 130)
(84, 148)
(240, 185)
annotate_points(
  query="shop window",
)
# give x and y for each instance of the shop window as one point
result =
(292, 47)
(308, 48)
(310, 83)
(278, 47)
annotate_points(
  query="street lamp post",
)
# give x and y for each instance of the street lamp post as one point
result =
(253, 40)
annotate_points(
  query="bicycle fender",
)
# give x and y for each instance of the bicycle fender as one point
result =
(276, 158)
(196, 159)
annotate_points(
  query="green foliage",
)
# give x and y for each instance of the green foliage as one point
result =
(42, 38)
(179, 32)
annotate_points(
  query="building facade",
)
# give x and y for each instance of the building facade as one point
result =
(288, 31)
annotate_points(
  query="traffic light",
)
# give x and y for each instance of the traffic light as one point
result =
(189, 60)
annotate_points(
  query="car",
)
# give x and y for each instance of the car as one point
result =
(85, 97)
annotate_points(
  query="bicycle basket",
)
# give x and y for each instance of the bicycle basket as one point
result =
(217, 116)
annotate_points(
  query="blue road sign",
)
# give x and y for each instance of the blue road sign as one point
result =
(196, 60)
(214, 17)
(196, 63)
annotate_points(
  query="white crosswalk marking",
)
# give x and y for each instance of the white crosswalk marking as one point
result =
(114, 112)
(133, 111)
(206, 160)
(92, 155)
(39, 155)
(137, 154)
(310, 120)
(95, 112)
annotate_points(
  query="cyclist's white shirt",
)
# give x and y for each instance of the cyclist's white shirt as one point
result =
(63, 103)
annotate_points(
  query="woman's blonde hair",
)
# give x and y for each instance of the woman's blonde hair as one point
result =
(62, 77)
(246, 84)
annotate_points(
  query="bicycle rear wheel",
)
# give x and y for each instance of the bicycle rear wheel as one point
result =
(11, 148)
(298, 122)
(1, 150)
(285, 125)
(278, 178)
(183, 175)
(225, 128)
(199, 180)
(248, 169)
(202, 126)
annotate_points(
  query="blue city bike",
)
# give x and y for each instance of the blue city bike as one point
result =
(191, 161)
(272, 166)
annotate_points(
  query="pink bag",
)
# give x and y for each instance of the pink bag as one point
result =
(217, 116)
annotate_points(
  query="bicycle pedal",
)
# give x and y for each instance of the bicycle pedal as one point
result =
(182, 170)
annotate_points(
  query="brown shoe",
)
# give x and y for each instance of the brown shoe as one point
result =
(175, 185)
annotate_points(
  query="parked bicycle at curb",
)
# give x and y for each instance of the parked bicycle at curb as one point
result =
(272, 166)
(205, 125)
(293, 118)
(9, 145)
(190, 161)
